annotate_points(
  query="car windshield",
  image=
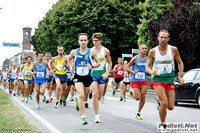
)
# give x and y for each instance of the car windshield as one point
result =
(189, 75)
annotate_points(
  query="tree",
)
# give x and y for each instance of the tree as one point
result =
(183, 23)
(115, 19)
(153, 10)
(6, 64)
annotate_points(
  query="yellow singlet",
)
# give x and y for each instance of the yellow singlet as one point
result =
(27, 74)
(60, 68)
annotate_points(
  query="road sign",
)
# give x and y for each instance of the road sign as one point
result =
(15, 45)
(135, 51)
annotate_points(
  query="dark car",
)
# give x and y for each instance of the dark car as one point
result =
(190, 91)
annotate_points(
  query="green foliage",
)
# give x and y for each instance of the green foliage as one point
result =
(6, 63)
(115, 19)
(152, 10)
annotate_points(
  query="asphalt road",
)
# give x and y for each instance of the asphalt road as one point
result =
(116, 116)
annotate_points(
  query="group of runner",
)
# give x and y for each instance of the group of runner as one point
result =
(87, 70)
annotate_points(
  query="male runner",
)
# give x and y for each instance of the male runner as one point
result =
(126, 80)
(83, 66)
(0, 77)
(20, 78)
(48, 84)
(139, 77)
(99, 74)
(39, 70)
(60, 77)
(28, 78)
(119, 76)
(162, 57)
(13, 82)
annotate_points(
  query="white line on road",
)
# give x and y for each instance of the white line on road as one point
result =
(43, 121)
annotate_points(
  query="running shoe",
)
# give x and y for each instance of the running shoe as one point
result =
(26, 99)
(138, 116)
(97, 119)
(124, 99)
(71, 99)
(50, 100)
(76, 99)
(90, 95)
(56, 105)
(113, 93)
(131, 92)
(86, 105)
(44, 100)
(18, 93)
(83, 121)
(31, 97)
(22, 99)
(38, 106)
(14, 94)
(64, 101)
(61, 102)
(121, 99)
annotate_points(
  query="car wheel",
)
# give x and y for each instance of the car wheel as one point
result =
(176, 103)
(198, 99)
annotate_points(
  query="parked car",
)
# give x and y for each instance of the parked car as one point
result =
(190, 91)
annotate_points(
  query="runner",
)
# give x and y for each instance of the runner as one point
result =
(13, 81)
(60, 77)
(4, 77)
(70, 85)
(39, 70)
(99, 74)
(20, 83)
(48, 84)
(139, 77)
(28, 78)
(126, 80)
(83, 66)
(162, 57)
(119, 75)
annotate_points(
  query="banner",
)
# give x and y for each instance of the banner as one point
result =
(14, 45)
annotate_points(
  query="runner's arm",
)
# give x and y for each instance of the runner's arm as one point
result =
(108, 58)
(51, 63)
(150, 62)
(131, 63)
(114, 69)
(69, 58)
(180, 64)
(33, 69)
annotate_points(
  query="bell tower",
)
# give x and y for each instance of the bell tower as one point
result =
(26, 45)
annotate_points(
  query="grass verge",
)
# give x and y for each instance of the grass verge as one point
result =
(11, 118)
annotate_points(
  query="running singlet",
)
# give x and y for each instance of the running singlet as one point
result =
(102, 68)
(21, 78)
(40, 71)
(142, 74)
(60, 68)
(81, 63)
(4, 75)
(126, 77)
(27, 74)
(165, 66)
(120, 72)
(13, 76)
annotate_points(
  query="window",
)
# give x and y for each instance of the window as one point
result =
(189, 75)
(197, 76)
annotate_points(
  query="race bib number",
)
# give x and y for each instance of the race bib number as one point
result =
(120, 72)
(140, 75)
(27, 73)
(82, 71)
(61, 67)
(164, 68)
(40, 74)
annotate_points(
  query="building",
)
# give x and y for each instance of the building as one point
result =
(27, 48)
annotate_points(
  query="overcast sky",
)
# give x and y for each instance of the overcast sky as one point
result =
(16, 14)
